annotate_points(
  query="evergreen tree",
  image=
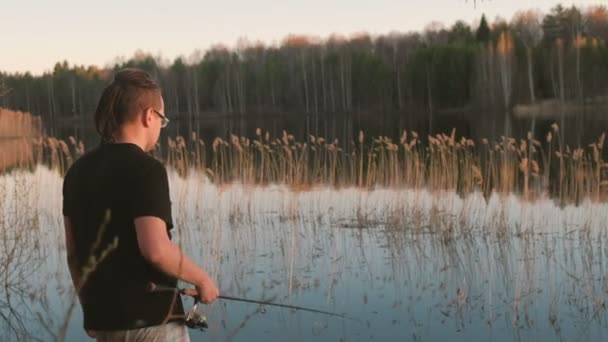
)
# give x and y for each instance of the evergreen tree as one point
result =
(483, 31)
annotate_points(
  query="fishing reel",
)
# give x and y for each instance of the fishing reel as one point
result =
(196, 320)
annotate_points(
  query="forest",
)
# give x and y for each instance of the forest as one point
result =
(500, 77)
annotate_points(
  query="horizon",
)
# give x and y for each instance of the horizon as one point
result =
(82, 37)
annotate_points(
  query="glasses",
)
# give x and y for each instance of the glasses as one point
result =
(164, 120)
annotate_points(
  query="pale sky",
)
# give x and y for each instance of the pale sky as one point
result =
(34, 34)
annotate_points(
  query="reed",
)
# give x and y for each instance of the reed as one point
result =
(442, 162)
(17, 131)
(527, 167)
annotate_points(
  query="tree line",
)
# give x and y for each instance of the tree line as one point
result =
(490, 68)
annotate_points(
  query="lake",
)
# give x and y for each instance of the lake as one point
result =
(402, 264)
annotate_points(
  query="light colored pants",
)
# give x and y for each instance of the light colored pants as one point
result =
(170, 332)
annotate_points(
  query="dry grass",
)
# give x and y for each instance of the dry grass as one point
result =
(527, 167)
(17, 131)
(23, 144)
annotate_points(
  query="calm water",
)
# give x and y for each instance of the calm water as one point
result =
(405, 265)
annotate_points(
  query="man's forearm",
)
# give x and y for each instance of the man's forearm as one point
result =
(177, 264)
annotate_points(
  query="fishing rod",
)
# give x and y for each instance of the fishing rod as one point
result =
(152, 287)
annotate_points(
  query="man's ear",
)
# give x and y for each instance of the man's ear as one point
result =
(146, 118)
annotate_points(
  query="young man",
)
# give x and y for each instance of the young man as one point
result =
(117, 215)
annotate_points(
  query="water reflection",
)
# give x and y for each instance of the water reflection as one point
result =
(345, 127)
(406, 265)
(24, 271)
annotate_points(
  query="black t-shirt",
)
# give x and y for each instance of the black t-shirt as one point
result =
(124, 181)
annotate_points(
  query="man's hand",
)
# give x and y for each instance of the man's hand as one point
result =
(91, 333)
(207, 292)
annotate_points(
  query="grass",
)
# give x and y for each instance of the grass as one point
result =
(527, 167)
(17, 129)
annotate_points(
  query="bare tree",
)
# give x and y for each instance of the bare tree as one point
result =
(4, 90)
(596, 19)
(562, 96)
(528, 26)
(434, 34)
(474, 2)
(505, 69)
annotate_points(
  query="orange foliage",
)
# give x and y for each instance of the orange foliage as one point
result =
(294, 40)
(505, 43)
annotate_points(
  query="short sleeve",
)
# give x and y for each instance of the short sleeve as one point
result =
(151, 194)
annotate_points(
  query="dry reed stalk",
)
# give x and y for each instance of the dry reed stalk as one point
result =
(18, 132)
(444, 164)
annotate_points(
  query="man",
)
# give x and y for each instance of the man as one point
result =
(117, 215)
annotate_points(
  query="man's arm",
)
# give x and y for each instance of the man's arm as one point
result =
(157, 249)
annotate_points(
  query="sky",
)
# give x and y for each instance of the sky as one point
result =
(35, 34)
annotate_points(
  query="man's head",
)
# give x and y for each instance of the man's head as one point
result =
(131, 105)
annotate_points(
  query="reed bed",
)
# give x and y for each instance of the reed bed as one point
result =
(17, 131)
(527, 167)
